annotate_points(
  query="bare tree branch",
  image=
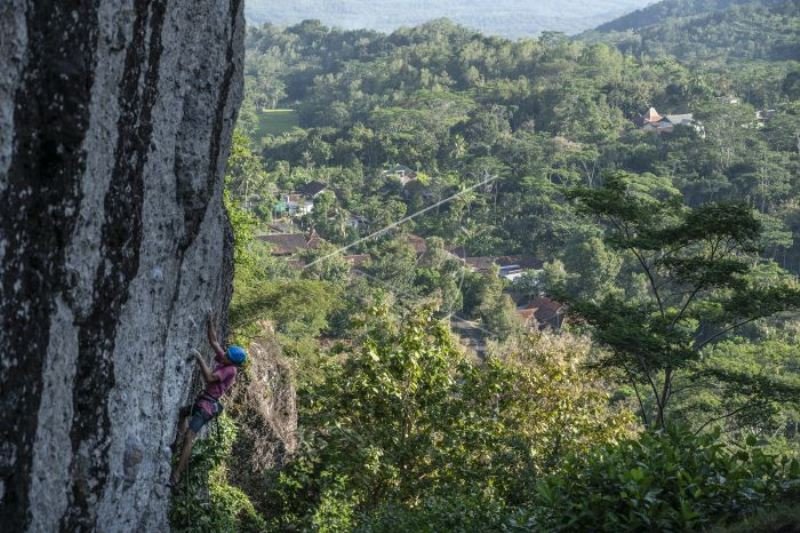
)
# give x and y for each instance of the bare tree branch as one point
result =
(728, 415)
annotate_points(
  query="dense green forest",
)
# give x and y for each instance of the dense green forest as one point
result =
(514, 297)
(509, 18)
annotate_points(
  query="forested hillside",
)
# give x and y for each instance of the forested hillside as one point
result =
(666, 9)
(712, 31)
(509, 18)
(533, 285)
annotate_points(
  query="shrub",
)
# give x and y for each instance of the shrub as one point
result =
(672, 481)
(407, 431)
(205, 501)
(456, 513)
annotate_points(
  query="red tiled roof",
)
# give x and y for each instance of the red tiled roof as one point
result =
(526, 314)
(290, 243)
(278, 227)
(546, 312)
(652, 116)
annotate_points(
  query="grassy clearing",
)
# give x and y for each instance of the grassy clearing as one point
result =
(276, 122)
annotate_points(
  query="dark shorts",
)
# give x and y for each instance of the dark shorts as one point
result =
(199, 418)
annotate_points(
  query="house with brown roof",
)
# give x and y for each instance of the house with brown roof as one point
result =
(402, 173)
(480, 264)
(287, 244)
(543, 313)
(653, 121)
(281, 227)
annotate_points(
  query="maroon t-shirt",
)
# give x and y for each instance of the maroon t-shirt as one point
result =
(227, 375)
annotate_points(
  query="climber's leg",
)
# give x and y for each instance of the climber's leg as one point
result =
(195, 423)
(185, 414)
(186, 453)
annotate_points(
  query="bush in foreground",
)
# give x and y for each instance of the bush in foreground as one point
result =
(671, 481)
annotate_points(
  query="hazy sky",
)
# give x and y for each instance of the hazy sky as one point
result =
(511, 18)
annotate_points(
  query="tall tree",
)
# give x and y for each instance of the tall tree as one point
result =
(700, 266)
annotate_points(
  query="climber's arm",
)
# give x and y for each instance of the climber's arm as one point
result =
(212, 336)
(208, 374)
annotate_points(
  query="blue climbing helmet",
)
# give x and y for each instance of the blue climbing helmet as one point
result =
(237, 355)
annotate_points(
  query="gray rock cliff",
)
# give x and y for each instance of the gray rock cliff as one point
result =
(115, 124)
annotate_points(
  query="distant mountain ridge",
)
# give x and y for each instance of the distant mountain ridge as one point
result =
(657, 13)
(717, 31)
(507, 18)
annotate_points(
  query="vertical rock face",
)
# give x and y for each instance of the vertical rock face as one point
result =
(115, 123)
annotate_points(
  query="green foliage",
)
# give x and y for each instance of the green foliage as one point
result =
(672, 481)
(540, 114)
(276, 122)
(447, 512)
(246, 181)
(407, 429)
(710, 30)
(781, 517)
(400, 431)
(205, 501)
(299, 308)
(598, 268)
(746, 388)
(700, 267)
(243, 224)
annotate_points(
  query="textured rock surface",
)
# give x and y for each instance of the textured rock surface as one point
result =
(115, 123)
(264, 406)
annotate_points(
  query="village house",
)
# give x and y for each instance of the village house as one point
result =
(300, 203)
(543, 313)
(281, 227)
(511, 272)
(293, 205)
(510, 267)
(288, 244)
(654, 122)
(763, 116)
(401, 173)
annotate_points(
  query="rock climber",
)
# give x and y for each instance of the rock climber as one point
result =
(207, 405)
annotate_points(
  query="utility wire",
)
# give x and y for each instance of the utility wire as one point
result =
(401, 222)
(398, 224)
